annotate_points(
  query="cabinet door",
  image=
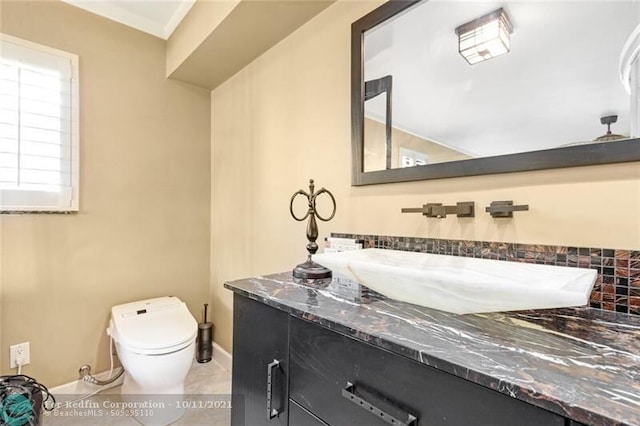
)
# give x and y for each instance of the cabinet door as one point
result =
(260, 364)
(347, 382)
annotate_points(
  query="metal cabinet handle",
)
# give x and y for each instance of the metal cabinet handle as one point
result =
(348, 393)
(505, 208)
(271, 412)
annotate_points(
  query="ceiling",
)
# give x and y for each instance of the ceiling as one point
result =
(156, 17)
(560, 77)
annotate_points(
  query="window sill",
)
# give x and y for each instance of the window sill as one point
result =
(23, 212)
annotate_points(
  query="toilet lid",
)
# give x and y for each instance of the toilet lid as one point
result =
(159, 325)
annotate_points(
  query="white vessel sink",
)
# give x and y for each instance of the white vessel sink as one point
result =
(462, 285)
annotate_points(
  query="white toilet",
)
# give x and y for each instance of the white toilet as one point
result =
(155, 341)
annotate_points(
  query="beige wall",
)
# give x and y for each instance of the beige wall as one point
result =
(143, 226)
(285, 118)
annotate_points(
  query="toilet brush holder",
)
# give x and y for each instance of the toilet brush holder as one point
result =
(204, 350)
(205, 342)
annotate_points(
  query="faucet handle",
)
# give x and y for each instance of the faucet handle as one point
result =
(436, 210)
(505, 208)
(465, 209)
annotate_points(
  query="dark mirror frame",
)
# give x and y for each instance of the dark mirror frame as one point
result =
(579, 155)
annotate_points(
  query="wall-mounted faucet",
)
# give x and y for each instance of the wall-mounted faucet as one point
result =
(461, 209)
(505, 208)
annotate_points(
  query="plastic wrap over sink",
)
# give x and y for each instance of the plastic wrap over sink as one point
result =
(462, 285)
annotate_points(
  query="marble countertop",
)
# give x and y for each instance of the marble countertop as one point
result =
(581, 363)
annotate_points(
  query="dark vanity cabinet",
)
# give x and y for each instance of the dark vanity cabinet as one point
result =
(326, 378)
(348, 382)
(260, 364)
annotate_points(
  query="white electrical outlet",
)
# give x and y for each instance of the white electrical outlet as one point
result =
(19, 352)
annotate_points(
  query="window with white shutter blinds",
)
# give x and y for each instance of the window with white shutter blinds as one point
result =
(38, 127)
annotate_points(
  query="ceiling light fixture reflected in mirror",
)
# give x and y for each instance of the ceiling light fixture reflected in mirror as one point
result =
(485, 37)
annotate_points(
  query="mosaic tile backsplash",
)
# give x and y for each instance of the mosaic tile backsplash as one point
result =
(617, 287)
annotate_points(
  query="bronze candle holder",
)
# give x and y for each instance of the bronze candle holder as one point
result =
(311, 270)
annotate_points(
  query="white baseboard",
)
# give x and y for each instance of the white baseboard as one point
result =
(80, 387)
(222, 357)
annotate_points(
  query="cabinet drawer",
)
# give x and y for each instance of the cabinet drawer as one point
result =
(298, 416)
(385, 385)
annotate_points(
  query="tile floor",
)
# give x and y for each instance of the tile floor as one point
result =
(207, 393)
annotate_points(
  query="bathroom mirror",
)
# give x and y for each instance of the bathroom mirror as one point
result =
(546, 103)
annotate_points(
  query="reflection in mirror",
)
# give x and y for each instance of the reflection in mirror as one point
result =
(558, 86)
(377, 95)
(567, 72)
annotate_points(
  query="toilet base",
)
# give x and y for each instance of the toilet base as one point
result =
(151, 408)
